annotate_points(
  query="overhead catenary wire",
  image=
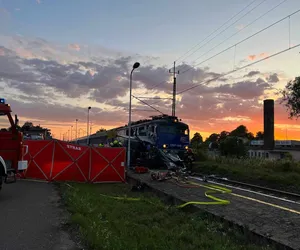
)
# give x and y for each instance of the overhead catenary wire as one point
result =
(226, 28)
(155, 85)
(240, 68)
(216, 30)
(237, 33)
(160, 98)
(243, 39)
(222, 32)
(147, 104)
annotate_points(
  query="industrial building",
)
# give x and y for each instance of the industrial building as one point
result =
(269, 147)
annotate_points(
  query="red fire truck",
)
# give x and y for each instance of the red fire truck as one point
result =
(12, 149)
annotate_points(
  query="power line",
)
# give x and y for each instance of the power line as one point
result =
(216, 30)
(160, 98)
(243, 39)
(210, 35)
(148, 104)
(143, 110)
(173, 108)
(157, 85)
(217, 34)
(228, 26)
(243, 67)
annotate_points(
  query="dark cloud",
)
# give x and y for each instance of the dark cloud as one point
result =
(240, 102)
(6, 52)
(11, 69)
(273, 78)
(68, 79)
(245, 89)
(31, 89)
(105, 80)
(110, 80)
(212, 108)
(252, 73)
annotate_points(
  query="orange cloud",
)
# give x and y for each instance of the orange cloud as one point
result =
(251, 57)
(260, 56)
(2, 52)
(74, 46)
(24, 53)
(263, 55)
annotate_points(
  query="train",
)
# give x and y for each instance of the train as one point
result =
(163, 132)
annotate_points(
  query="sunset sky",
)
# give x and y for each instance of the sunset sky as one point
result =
(59, 57)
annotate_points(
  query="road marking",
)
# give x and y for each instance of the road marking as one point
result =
(251, 191)
(267, 203)
(256, 200)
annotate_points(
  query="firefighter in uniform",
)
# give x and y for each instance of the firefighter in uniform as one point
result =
(115, 144)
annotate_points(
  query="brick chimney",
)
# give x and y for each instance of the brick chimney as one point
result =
(269, 138)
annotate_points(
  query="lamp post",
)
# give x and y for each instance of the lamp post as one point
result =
(71, 132)
(87, 129)
(91, 125)
(135, 66)
(76, 129)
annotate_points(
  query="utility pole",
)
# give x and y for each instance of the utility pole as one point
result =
(174, 72)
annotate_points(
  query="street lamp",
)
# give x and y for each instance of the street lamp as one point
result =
(76, 129)
(87, 130)
(71, 132)
(135, 66)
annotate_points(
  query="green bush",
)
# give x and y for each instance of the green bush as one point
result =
(200, 155)
(284, 172)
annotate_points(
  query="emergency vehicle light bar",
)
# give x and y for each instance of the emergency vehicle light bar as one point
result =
(2, 100)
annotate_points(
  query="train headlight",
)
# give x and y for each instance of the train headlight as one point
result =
(165, 146)
(186, 147)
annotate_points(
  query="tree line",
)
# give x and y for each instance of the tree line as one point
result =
(27, 126)
(233, 143)
(236, 142)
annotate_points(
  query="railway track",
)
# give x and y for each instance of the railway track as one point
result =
(247, 187)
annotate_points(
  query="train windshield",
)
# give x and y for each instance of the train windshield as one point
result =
(173, 129)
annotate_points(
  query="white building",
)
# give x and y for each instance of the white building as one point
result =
(281, 148)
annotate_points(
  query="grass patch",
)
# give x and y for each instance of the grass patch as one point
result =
(107, 223)
(284, 174)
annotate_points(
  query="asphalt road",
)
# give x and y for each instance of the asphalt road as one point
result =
(32, 218)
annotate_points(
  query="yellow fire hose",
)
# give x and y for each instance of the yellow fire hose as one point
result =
(212, 189)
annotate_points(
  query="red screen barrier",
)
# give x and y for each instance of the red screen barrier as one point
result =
(62, 161)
